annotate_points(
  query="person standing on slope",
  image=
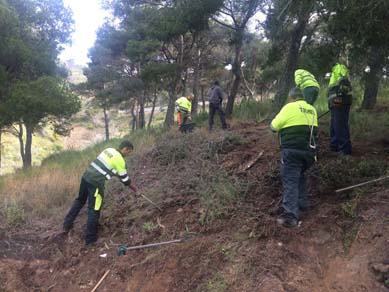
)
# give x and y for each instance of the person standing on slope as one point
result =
(215, 105)
(296, 124)
(339, 102)
(109, 163)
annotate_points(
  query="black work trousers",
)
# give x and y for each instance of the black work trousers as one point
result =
(339, 131)
(216, 108)
(94, 195)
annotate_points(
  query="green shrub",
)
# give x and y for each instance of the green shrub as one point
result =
(149, 226)
(252, 110)
(346, 170)
(14, 214)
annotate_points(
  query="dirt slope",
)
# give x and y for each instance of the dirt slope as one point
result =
(334, 249)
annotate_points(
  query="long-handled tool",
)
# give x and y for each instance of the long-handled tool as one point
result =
(362, 184)
(122, 249)
(151, 202)
(322, 115)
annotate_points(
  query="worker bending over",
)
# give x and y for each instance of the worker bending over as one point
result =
(109, 163)
(184, 108)
(306, 81)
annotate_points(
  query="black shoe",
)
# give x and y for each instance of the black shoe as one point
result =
(67, 228)
(305, 209)
(287, 221)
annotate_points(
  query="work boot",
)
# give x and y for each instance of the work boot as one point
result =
(67, 228)
(305, 209)
(287, 221)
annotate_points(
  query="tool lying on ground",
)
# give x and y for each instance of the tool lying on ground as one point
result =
(101, 280)
(151, 202)
(250, 164)
(122, 249)
(362, 184)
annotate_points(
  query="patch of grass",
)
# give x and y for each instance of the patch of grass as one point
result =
(349, 238)
(349, 208)
(149, 226)
(14, 214)
(217, 284)
(47, 190)
(218, 198)
(252, 110)
(347, 170)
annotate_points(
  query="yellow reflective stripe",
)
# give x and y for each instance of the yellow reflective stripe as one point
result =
(98, 200)
(99, 169)
(305, 79)
(125, 179)
(102, 160)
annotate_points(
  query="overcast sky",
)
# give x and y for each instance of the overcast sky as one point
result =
(88, 16)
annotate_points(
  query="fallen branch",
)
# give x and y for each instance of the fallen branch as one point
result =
(361, 184)
(250, 163)
(101, 280)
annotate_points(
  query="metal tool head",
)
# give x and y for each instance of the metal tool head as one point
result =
(122, 250)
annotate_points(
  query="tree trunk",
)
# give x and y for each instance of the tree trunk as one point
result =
(246, 84)
(153, 108)
(27, 151)
(287, 79)
(1, 148)
(203, 97)
(373, 78)
(196, 82)
(169, 118)
(236, 70)
(21, 143)
(134, 118)
(141, 115)
(106, 122)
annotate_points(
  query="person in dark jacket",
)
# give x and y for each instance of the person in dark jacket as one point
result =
(215, 105)
(109, 163)
(297, 127)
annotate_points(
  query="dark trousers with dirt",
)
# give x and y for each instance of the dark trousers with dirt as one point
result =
(294, 163)
(216, 108)
(94, 196)
(339, 131)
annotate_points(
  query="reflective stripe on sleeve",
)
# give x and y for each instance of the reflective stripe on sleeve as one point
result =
(123, 173)
(99, 169)
(125, 179)
(106, 165)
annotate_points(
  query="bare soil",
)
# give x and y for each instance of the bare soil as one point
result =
(244, 250)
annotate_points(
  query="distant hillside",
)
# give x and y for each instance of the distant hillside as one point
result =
(76, 75)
